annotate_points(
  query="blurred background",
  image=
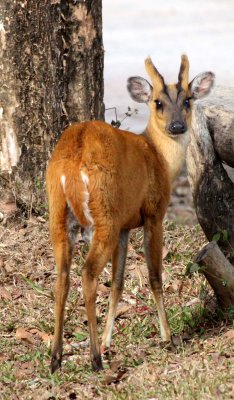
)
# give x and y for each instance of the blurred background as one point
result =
(163, 29)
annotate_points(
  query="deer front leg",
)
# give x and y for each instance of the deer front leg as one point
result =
(118, 267)
(153, 242)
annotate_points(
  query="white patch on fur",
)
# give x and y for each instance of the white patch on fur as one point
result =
(63, 182)
(85, 178)
(85, 203)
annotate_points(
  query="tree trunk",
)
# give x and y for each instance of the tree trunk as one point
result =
(219, 111)
(212, 189)
(219, 273)
(51, 75)
(212, 145)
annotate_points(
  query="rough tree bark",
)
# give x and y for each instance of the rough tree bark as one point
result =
(219, 112)
(51, 63)
(212, 145)
(219, 272)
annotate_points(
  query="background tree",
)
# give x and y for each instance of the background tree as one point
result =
(51, 66)
(211, 174)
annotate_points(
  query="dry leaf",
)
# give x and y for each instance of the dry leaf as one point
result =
(115, 378)
(41, 219)
(132, 267)
(140, 271)
(22, 334)
(122, 309)
(215, 357)
(4, 294)
(22, 370)
(4, 357)
(82, 314)
(115, 365)
(45, 337)
(176, 285)
(165, 276)
(144, 310)
(229, 335)
(193, 301)
(103, 289)
(8, 207)
(129, 298)
(132, 254)
(8, 267)
(17, 293)
(165, 252)
(177, 340)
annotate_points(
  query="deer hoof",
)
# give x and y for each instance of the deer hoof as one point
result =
(56, 362)
(97, 363)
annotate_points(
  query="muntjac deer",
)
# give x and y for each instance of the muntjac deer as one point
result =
(106, 181)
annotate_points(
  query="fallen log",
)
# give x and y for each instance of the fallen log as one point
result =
(211, 148)
(219, 111)
(212, 189)
(219, 272)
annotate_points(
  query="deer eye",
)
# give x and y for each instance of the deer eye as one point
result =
(187, 103)
(159, 105)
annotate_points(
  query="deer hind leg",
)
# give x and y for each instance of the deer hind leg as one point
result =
(63, 240)
(118, 267)
(99, 254)
(153, 243)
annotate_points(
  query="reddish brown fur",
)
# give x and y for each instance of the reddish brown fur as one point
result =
(128, 186)
(111, 181)
(114, 160)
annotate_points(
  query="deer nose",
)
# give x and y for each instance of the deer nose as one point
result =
(177, 127)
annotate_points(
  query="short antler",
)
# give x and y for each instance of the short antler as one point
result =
(183, 77)
(156, 77)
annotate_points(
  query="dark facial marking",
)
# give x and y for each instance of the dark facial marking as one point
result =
(161, 78)
(179, 90)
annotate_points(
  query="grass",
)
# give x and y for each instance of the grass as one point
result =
(200, 365)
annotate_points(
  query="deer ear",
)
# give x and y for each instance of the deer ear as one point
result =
(201, 84)
(139, 89)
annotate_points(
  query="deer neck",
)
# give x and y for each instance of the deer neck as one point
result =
(172, 149)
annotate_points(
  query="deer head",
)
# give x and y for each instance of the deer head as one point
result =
(170, 105)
